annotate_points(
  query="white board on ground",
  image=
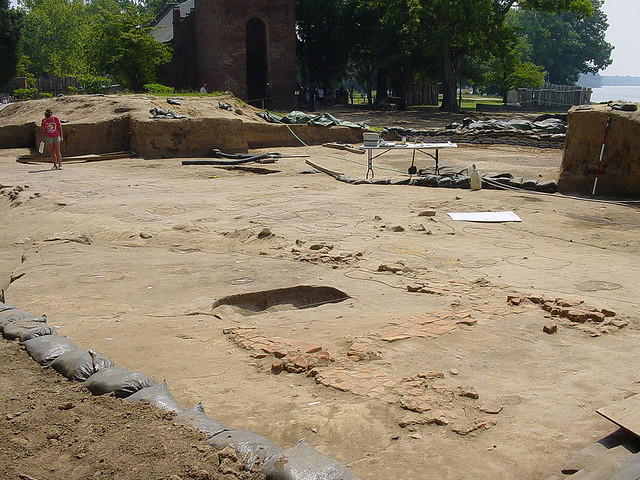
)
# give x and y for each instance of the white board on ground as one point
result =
(485, 217)
(625, 414)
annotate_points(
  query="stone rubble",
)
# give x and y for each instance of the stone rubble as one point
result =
(572, 314)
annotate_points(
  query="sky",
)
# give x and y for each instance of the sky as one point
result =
(623, 34)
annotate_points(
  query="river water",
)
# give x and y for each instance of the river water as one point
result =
(615, 94)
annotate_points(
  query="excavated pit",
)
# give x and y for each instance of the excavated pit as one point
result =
(103, 124)
(620, 170)
(290, 298)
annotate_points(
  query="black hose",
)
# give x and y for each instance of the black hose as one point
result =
(228, 160)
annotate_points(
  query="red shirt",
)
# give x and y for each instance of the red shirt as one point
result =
(51, 126)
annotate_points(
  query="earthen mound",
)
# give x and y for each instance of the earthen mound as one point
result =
(101, 124)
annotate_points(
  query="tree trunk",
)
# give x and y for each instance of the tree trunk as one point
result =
(449, 82)
(382, 85)
(401, 88)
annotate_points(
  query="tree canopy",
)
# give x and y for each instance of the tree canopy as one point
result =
(122, 45)
(396, 40)
(10, 36)
(566, 44)
(507, 43)
(81, 37)
(55, 34)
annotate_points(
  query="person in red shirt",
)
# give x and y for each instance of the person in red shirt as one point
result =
(51, 134)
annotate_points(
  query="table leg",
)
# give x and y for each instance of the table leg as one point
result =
(412, 168)
(369, 163)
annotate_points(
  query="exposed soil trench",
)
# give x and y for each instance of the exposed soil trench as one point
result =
(421, 355)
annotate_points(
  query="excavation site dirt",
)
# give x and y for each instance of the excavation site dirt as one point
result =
(400, 341)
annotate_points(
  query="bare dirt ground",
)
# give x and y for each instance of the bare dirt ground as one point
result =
(72, 248)
(51, 429)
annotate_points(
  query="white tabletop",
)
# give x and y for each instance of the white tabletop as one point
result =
(409, 146)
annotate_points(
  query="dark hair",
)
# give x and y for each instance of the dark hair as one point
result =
(48, 112)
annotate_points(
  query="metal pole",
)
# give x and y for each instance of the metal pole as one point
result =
(604, 141)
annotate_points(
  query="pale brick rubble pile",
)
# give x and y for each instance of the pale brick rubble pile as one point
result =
(428, 398)
(572, 314)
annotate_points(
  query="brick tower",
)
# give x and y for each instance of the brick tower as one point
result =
(247, 47)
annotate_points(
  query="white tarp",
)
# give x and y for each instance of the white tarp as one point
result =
(485, 217)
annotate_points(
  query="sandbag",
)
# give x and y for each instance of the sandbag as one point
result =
(46, 349)
(27, 329)
(253, 450)
(196, 418)
(79, 364)
(303, 462)
(118, 380)
(158, 396)
(4, 306)
(11, 315)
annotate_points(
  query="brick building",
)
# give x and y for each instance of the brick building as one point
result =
(247, 47)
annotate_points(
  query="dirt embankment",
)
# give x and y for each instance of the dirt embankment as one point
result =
(619, 172)
(100, 124)
(51, 428)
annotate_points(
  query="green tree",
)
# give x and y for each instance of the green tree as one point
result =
(463, 28)
(121, 43)
(388, 44)
(508, 67)
(10, 36)
(324, 40)
(458, 29)
(567, 44)
(54, 37)
(156, 6)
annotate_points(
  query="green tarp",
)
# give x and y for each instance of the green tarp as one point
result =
(322, 120)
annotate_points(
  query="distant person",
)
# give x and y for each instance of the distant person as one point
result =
(51, 135)
(203, 89)
(320, 93)
(267, 95)
(307, 99)
(351, 94)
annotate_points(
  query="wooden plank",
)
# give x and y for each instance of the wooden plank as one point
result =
(343, 146)
(625, 414)
(81, 158)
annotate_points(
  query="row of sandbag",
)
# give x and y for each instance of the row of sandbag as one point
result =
(503, 180)
(101, 376)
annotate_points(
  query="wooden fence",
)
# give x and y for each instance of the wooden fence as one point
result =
(56, 85)
(422, 94)
(551, 95)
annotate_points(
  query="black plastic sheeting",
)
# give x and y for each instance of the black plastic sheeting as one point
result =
(303, 462)
(24, 330)
(9, 315)
(158, 396)
(196, 418)
(46, 349)
(100, 376)
(302, 118)
(499, 181)
(227, 161)
(254, 451)
(120, 381)
(79, 364)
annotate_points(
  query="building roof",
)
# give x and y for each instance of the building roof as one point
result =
(164, 22)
